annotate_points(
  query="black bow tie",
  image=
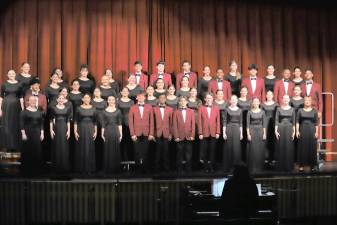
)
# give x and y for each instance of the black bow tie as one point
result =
(34, 94)
(309, 82)
(141, 105)
(187, 74)
(137, 74)
(160, 75)
(161, 106)
(208, 106)
(219, 80)
(253, 78)
(183, 108)
(285, 80)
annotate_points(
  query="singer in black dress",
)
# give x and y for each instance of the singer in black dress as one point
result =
(171, 98)
(256, 134)
(285, 133)
(106, 88)
(124, 104)
(11, 106)
(85, 129)
(60, 133)
(86, 81)
(111, 134)
(203, 82)
(234, 78)
(307, 133)
(31, 122)
(24, 77)
(232, 133)
(244, 104)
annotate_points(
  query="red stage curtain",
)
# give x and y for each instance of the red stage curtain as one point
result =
(114, 33)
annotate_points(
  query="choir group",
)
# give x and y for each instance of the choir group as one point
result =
(163, 122)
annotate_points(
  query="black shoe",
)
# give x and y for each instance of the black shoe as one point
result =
(301, 169)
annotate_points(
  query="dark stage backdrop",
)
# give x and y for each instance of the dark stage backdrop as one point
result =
(113, 34)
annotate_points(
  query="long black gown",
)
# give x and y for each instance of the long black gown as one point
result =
(11, 108)
(270, 111)
(86, 86)
(245, 107)
(296, 104)
(232, 148)
(106, 92)
(24, 81)
(221, 142)
(256, 121)
(31, 156)
(60, 143)
(134, 92)
(235, 84)
(85, 158)
(126, 143)
(269, 84)
(285, 120)
(173, 103)
(308, 120)
(111, 152)
(203, 87)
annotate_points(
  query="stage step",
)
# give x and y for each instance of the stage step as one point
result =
(327, 140)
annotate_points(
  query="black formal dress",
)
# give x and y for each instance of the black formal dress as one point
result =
(285, 120)
(182, 93)
(232, 149)
(308, 120)
(31, 155)
(296, 104)
(115, 86)
(256, 122)
(106, 92)
(269, 84)
(85, 158)
(11, 108)
(245, 107)
(173, 103)
(235, 84)
(86, 86)
(51, 94)
(25, 82)
(203, 87)
(157, 94)
(152, 102)
(134, 92)
(111, 152)
(63, 83)
(76, 100)
(126, 143)
(60, 143)
(221, 142)
(270, 111)
(299, 82)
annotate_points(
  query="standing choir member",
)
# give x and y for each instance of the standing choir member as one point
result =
(254, 84)
(234, 78)
(150, 98)
(75, 96)
(31, 122)
(209, 131)
(297, 100)
(192, 77)
(232, 133)
(85, 131)
(87, 82)
(244, 104)
(313, 89)
(307, 134)
(256, 135)
(163, 116)
(220, 84)
(270, 78)
(203, 82)
(285, 133)
(161, 75)
(11, 104)
(141, 130)
(269, 107)
(283, 87)
(160, 87)
(24, 77)
(61, 81)
(184, 133)
(171, 98)
(184, 89)
(133, 87)
(53, 89)
(60, 133)
(113, 83)
(106, 88)
(298, 80)
(124, 104)
(111, 134)
(36, 91)
(141, 78)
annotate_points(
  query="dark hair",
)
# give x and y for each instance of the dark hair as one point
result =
(141, 93)
(308, 69)
(160, 62)
(84, 66)
(243, 86)
(23, 63)
(72, 82)
(185, 61)
(241, 172)
(61, 89)
(297, 67)
(88, 94)
(137, 62)
(253, 67)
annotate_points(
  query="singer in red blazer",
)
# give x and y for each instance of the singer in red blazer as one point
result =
(279, 90)
(166, 77)
(208, 126)
(226, 88)
(181, 130)
(259, 90)
(192, 80)
(315, 94)
(141, 126)
(163, 127)
(143, 80)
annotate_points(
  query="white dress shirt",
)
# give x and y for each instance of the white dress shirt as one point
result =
(137, 77)
(253, 83)
(183, 112)
(219, 84)
(209, 111)
(308, 86)
(286, 85)
(162, 111)
(160, 75)
(141, 110)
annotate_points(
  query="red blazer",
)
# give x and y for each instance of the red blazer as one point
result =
(260, 92)
(167, 79)
(279, 90)
(181, 130)
(163, 127)
(208, 126)
(226, 88)
(141, 125)
(42, 100)
(315, 94)
(192, 82)
(143, 81)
